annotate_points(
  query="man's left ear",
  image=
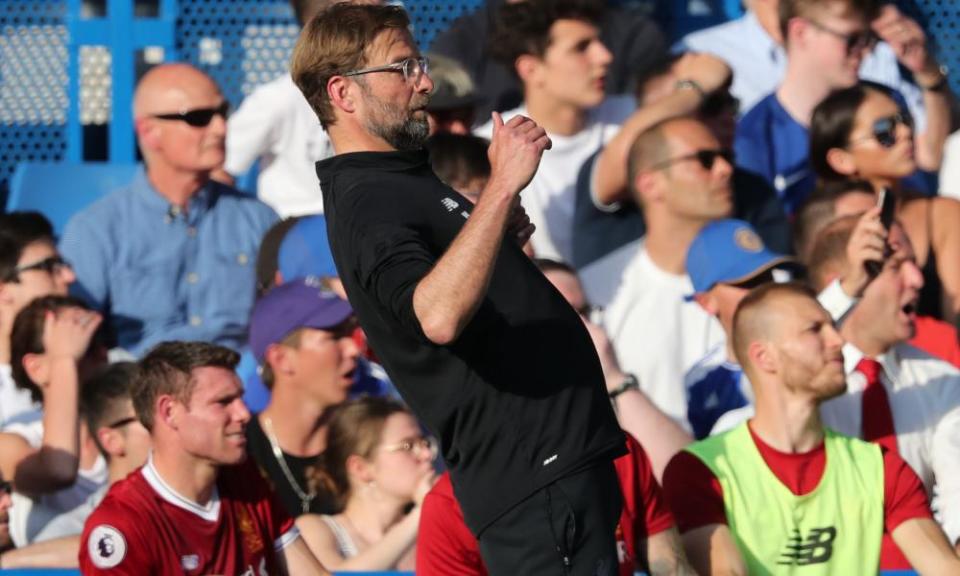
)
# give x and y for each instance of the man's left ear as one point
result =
(340, 92)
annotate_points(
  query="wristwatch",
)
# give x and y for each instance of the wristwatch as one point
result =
(940, 85)
(691, 85)
(629, 383)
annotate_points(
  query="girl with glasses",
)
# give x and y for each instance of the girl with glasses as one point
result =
(380, 466)
(863, 133)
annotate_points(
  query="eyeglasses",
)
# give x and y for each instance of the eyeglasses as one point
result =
(50, 265)
(855, 41)
(411, 68)
(198, 117)
(884, 130)
(415, 446)
(122, 422)
(706, 158)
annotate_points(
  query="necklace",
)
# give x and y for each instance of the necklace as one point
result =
(305, 499)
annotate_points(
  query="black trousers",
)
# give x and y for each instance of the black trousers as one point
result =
(565, 529)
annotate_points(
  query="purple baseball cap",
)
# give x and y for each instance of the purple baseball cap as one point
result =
(299, 303)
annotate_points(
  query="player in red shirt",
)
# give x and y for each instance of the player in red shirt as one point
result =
(792, 354)
(448, 548)
(197, 507)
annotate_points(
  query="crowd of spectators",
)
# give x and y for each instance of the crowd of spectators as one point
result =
(185, 387)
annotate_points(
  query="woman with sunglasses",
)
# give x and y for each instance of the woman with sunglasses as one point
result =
(380, 467)
(861, 132)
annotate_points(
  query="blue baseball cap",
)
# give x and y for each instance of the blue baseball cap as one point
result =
(305, 250)
(728, 252)
(300, 303)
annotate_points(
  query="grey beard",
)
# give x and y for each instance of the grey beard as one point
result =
(411, 134)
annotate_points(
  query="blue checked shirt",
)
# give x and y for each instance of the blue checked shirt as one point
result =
(161, 273)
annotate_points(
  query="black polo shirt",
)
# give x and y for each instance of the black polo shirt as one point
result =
(518, 400)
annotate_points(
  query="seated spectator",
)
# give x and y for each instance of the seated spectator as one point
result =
(30, 267)
(843, 496)
(681, 181)
(107, 410)
(51, 459)
(725, 261)
(634, 40)
(195, 505)
(646, 538)
(862, 133)
(461, 162)
(556, 51)
(171, 256)
(378, 463)
(303, 338)
(855, 197)
(753, 46)
(452, 102)
(255, 394)
(276, 131)
(305, 253)
(825, 42)
(606, 219)
(826, 202)
(635, 412)
(897, 395)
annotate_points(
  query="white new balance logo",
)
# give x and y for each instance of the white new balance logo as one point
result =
(450, 204)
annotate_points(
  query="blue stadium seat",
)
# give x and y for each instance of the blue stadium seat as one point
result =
(61, 189)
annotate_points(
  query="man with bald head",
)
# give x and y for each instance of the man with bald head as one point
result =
(782, 492)
(680, 176)
(171, 255)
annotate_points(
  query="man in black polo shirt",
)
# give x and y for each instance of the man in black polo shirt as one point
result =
(486, 352)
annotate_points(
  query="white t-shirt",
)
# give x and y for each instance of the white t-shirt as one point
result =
(276, 124)
(13, 400)
(950, 169)
(657, 335)
(549, 198)
(60, 513)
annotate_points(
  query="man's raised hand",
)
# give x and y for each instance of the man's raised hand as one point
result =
(514, 153)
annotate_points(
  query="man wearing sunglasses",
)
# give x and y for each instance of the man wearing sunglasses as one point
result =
(30, 267)
(680, 177)
(607, 224)
(826, 41)
(451, 304)
(171, 256)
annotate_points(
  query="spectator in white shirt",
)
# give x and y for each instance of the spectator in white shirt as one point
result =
(30, 267)
(680, 178)
(914, 406)
(276, 126)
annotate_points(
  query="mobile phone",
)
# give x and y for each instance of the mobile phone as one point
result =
(887, 204)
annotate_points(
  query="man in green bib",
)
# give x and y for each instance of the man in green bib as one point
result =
(781, 494)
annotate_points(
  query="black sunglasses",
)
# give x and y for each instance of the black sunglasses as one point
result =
(49, 265)
(884, 130)
(854, 42)
(706, 158)
(198, 117)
